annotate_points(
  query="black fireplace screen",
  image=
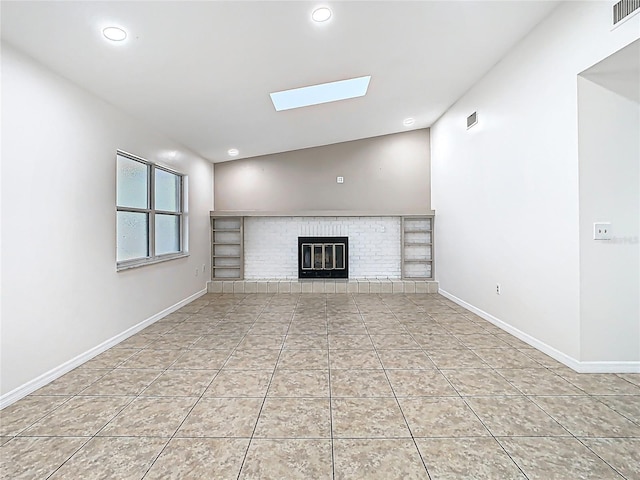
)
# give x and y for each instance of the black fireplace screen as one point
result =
(323, 257)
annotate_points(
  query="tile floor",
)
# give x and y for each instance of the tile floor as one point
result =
(324, 387)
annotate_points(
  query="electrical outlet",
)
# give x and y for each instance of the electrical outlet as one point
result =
(340, 179)
(498, 289)
(602, 231)
(203, 267)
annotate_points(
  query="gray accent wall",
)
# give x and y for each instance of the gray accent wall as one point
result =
(387, 174)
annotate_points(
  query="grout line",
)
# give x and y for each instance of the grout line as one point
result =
(424, 464)
(266, 393)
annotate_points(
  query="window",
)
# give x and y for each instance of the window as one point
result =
(150, 212)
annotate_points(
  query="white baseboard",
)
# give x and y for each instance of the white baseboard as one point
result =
(39, 382)
(578, 366)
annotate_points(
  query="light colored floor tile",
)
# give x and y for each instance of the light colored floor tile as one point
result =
(371, 459)
(124, 458)
(293, 349)
(431, 342)
(72, 382)
(628, 406)
(291, 359)
(305, 341)
(153, 359)
(222, 417)
(394, 342)
(259, 342)
(170, 341)
(623, 454)
(150, 417)
(467, 459)
(253, 360)
(360, 359)
(412, 383)
(181, 383)
(479, 382)
(199, 458)
(270, 459)
(36, 457)
(294, 418)
(350, 342)
(587, 417)
(542, 358)
(482, 341)
(539, 381)
(367, 418)
(506, 358)
(601, 384)
(123, 381)
(359, 383)
(240, 383)
(79, 417)
(24, 412)
(630, 377)
(201, 360)
(454, 359)
(219, 341)
(299, 383)
(405, 360)
(514, 416)
(441, 417)
(111, 358)
(556, 458)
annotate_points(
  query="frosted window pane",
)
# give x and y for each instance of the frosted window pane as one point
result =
(167, 234)
(167, 191)
(132, 183)
(132, 236)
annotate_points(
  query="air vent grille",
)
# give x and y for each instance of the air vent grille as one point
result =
(623, 9)
(472, 119)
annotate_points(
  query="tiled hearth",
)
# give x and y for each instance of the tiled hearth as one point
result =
(322, 286)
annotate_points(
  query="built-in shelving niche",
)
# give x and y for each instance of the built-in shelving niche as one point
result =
(227, 249)
(417, 247)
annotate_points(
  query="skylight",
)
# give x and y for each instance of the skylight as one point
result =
(322, 93)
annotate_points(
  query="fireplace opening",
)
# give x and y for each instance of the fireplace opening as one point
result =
(323, 257)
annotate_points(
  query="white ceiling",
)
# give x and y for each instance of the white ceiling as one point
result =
(201, 72)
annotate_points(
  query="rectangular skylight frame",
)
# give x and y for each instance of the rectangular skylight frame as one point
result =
(321, 93)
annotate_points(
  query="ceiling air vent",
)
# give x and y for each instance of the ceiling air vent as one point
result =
(623, 9)
(473, 118)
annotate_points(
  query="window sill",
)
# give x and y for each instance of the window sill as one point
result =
(143, 263)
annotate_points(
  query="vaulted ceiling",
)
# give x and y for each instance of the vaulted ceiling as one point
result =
(201, 72)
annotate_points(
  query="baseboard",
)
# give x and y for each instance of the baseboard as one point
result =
(578, 366)
(39, 382)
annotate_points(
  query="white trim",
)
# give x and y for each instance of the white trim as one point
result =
(578, 366)
(39, 382)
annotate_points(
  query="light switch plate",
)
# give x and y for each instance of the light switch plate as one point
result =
(340, 179)
(602, 231)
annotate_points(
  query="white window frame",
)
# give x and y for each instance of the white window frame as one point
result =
(151, 212)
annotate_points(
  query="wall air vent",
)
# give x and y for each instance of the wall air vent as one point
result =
(623, 9)
(472, 120)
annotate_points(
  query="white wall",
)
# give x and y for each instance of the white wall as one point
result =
(506, 191)
(609, 148)
(61, 294)
(271, 245)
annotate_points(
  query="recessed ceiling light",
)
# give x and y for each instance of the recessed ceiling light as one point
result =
(233, 152)
(115, 34)
(321, 14)
(409, 121)
(322, 93)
